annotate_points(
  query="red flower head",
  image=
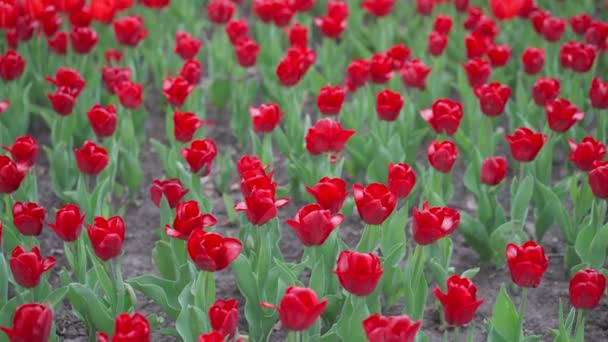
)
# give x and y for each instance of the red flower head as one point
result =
(525, 144)
(537, 18)
(378, 8)
(107, 236)
(476, 45)
(527, 263)
(492, 97)
(155, 4)
(414, 74)
(186, 46)
(200, 155)
(401, 179)
(282, 13)
(62, 101)
(597, 34)
(329, 193)
(82, 17)
(249, 163)
(185, 125)
(211, 252)
(83, 39)
(130, 94)
(224, 317)
(236, 29)
(327, 136)
(188, 218)
(533, 60)
(128, 328)
(176, 90)
(58, 43)
(545, 89)
(461, 5)
(32, 322)
(460, 302)
(444, 116)
(577, 56)
(330, 27)
(529, 6)
(8, 14)
(443, 24)
(432, 224)
(474, 15)
(171, 189)
(191, 71)
(294, 65)
(264, 9)
(220, 11)
(297, 35)
(478, 71)
(585, 154)
(313, 224)
(260, 206)
(505, 9)
(214, 336)
(494, 170)
(299, 308)
(399, 53)
(357, 74)
(247, 51)
(130, 30)
(437, 43)
(425, 7)
(388, 105)
(374, 203)
(330, 99)
(24, 150)
(301, 5)
(580, 23)
(553, 28)
(27, 267)
(390, 328)
(561, 115)
(359, 273)
(586, 289)
(11, 175)
(498, 55)
(28, 218)
(442, 155)
(113, 76)
(598, 179)
(103, 120)
(11, 65)
(265, 117)
(257, 178)
(91, 158)
(598, 93)
(381, 68)
(68, 222)
(103, 10)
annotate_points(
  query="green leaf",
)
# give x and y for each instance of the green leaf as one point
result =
(162, 260)
(470, 273)
(476, 236)
(505, 319)
(91, 308)
(162, 291)
(552, 211)
(509, 232)
(521, 200)
(219, 92)
(56, 297)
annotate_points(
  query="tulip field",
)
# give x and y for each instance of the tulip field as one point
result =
(303, 170)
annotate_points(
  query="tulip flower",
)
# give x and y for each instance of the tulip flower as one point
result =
(460, 301)
(327, 135)
(27, 267)
(68, 222)
(128, 328)
(533, 60)
(214, 336)
(525, 144)
(493, 170)
(11, 66)
(374, 203)
(399, 54)
(103, 120)
(378, 8)
(91, 158)
(414, 74)
(188, 218)
(598, 93)
(577, 56)
(299, 308)
(186, 46)
(498, 55)
(260, 206)
(357, 74)
(4, 105)
(390, 328)
(112, 77)
(442, 155)
(444, 116)
(176, 90)
(220, 11)
(211, 252)
(545, 89)
(200, 155)
(580, 23)
(11, 175)
(432, 224)
(492, 97)
(83, 39)
(28, 218)
(505, 9)
(155, 4)
(585, 154)
(247, 51)
(442, 24)
(586, 289)
(437, 43)
(358, 273)
(107, 236)
(313, 224)
(330, 99)
(129, 93)
(24, 150)
(130, 30)
(191, 71)
(62, 101)
(298, 35)
(249, 163)
(171, 189)
(425, 7)
(112, 56)
(224, 317)
(381, 68)
(32, 322)
(329, 193)
(185, 125)
(236, 30)
(598, 179)
(401, 179)
(527, 263)
(561, 115)
(265, 117)
(388, 105)
(478, 71)
(476, 45)
(553, 28)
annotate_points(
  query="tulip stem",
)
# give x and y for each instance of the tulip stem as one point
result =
(294, 336)
(116, 267)
(580, 325)
(456, 334)
(522, 306)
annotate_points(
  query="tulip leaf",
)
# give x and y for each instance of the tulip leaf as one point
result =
(219, 92)
(161, 291)
(476, 235)
(505, 319)
(509, 232)
(470, 273)
(90, 307)
(56, 297)
(4, 278)
(553, 210)
(245, 278)
(521, 195)
(162, 261)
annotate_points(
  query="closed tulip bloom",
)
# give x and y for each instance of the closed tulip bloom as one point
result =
(211, 252)
(128, 328)
(537, 18)
(176, 90)
(443, 24)
(533, 60)
(476, 45)
(186, 45)
(299, 308)
(381, 68)
(330, 99)
(103, 120)
(597, 34)
(130, 30)
(249, 163)
(525, 144)
(298, 35)
(247, 51)
(130, 94)
(442, 155)
(27, 267)
(188, 218)
(432, 224)
(185, 125)
(11, 65)
(598, 93)
(282, 14)
(527, 263)
(214, 336)
(374, 203)
(32, 322)
(505, 9)
(237, 29)
(577, 56)
(28, 218)
(494, 170)
(380, 328)
(388, 105)
(330, 27)
(425, 7)
(113, 76)
(260, 206)
(437, 43)
(478, 71)
(266, 117)
(399, 54)
(171, 189)
(580, 23)
(378, 8)
(585, 154)
(82, 17)
(107, 236)
(498, 55)
(561, 115)
(358, 273)
(112, 56)
(68, 222)
(327, 135)
(301, 5)
(200, 155)
(11, 175)
(461, 5)
(257, 178)
(191, 71)
(598, 179)
(553, 28)
(528, 8)
(103, 11)
(24, 150)
(460, 301)
(414, 74)
(91, 158)
(493, 98)
(486, 28)
(401, 179)
(294, 65)
(586, 289)
(357, 74)
(224, 317)
(545, 89)
(444, 116)
(83, 39)
(8, 15)
(313, 224)
(62, 101)
(220, 11)
(155, 4)
(329, 193)
(68, 79)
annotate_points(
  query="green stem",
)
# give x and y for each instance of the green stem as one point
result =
(456, 334)
(116, 267)
(294, 336)
(522, 308)
(369, 239)
(580, 325)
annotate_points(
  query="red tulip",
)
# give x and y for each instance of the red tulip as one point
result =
(443, 24)
(330, 27)
(476, 45)
(525, 144)
(91, 158)
(171, 189)
(129, 94)
(188, 218)
(62, 101)
(112, 56)
(460, 302)
(214, 336)
(586, 289)
(27, 267)
(378, 8)
(380, 328)
(103, 10)
(357, 74)
(388, 105)
(220, 11)
(478, 71)
(330, 99)
(260, 206)
(128, 328)
(176, 90)
(474, 15)
(329, 193)
(358, 273)
(24, 150)
(498, 55)
(442, 155)
(585, 154)
(211, 252)
(294, 65)
(28, 218)
(265, 117)
(437, 43)
(538, 19)
(237, 29)
(432, 224)
(425, 7)
(399, 54)
(185, 125)
(8, 15)
(58, 43)
(11, 175)
(11, 66)
(528, 8)
(107, 236)
(200, 155)
(301, 5)
(299, 308)
(553, 28)
(533, 60)
(493, 170)
(577, 56)
(444, 116)
(155, 4)
(130, 30)
(492, 97)
(186, 45)
(327, 136)
(561, 115)
(68, 222)
(505, 9)
(461, 5)
(401, 179)
(103, 120)
(414, 74)
(247, 51)
(224, 317)
(83, 39)
(82, 17)
(68, 79)
(527, 263)
(545, 89)
(598, 179)
(32, 322)
(298, 35)
(113, 76)
(313, 224)
(191, 72)
(381, 68)
(249, 163)
(257, 178)
(374, 203)
(598, 93)
(597, 34)
(264, 9)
